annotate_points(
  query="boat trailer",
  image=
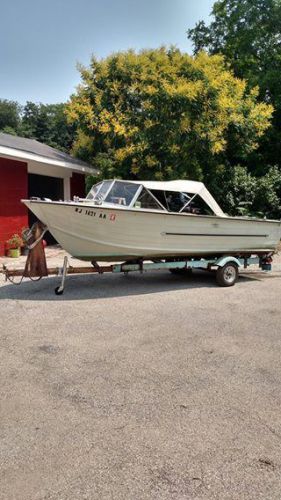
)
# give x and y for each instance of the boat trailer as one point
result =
(225, 266)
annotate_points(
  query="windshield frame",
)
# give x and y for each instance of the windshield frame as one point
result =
(100, 184)
(97, 200)
(139, 190)
(124, 182)
(188, 202)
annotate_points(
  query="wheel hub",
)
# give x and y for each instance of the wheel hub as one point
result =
(229, 274)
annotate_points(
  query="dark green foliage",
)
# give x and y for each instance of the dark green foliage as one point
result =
(245, 194)
(46, 123)
(9, 116)
(9, 130)
(248, 34)
(268, 194)
(240, 191)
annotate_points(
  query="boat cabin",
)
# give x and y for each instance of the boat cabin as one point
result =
(171, 196)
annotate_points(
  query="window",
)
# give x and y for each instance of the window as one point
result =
(198, 206)
(176, 201)
(122, 193)
(103, 190)
(93, 191)
(161, 197)
(99, 191)
(146, 200)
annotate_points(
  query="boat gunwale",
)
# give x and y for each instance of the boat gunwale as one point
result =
(148, 211)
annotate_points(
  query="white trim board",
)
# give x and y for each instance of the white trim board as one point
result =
(48, 170)
(17, 154)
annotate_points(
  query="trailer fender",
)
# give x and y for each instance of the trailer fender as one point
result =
(226, 259)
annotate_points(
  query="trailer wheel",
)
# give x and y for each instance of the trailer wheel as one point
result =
(227, 275)
(58, 291)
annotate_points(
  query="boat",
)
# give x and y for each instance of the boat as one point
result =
(131, 220)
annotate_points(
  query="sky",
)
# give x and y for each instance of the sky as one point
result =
(41, 41)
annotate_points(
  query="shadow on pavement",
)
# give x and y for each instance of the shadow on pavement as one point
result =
(83, 287)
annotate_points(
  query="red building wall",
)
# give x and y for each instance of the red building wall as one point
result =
(13, 187)
(77, 185)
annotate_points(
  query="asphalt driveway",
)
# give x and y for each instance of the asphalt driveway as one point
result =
(146, 386)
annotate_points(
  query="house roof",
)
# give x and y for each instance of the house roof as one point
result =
(30, 149)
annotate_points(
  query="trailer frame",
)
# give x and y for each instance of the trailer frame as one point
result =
(223, 266)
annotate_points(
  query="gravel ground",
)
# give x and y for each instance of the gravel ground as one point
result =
(136, 387)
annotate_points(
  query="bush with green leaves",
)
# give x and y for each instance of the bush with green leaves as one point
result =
(268, 194)
(239, 192)
(253, 196)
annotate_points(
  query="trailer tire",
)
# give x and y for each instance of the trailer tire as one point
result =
(227, 275)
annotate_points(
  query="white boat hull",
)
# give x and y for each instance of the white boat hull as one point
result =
(106, 233)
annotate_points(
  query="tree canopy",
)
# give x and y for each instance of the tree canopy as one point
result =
(162, 114)
(45, 122)
(248, 34)
(9, 116)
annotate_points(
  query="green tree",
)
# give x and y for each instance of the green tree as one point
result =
(248, 33)
(45, 122)
(48, 124)
(10, 116)
(162, 114)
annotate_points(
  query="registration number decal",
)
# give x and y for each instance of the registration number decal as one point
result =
(93, 213)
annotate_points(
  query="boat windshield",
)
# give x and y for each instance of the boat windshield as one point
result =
(115, 192)
(127, 194)
(121, 193)
(98, 191)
